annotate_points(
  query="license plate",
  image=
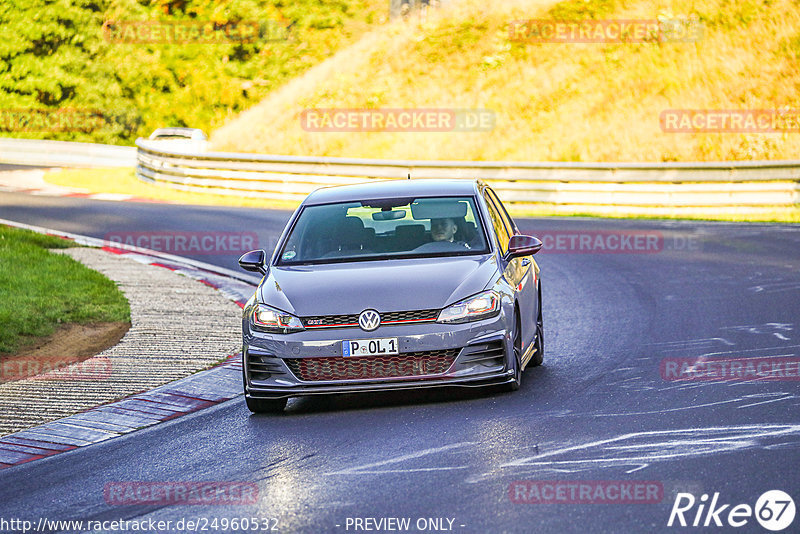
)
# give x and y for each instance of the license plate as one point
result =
(371, 347)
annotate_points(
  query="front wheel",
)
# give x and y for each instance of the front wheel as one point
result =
(538, 343)
(265, 405)
(515, 384)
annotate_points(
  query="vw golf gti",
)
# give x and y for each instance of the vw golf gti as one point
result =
(392, 285)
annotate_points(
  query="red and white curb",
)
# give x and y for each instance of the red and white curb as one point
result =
(32, 182)
(196, 392)
(181, 397)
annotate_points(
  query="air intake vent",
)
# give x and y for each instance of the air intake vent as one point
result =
(413, 364)
(263, 366)
(489, 354)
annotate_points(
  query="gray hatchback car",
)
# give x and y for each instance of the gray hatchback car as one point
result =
(392, 285)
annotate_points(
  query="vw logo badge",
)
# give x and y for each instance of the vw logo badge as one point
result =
(369, 320)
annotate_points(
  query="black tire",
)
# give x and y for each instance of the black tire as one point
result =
(261, 405)
(515, 384)
(265, 405)
(538, 356)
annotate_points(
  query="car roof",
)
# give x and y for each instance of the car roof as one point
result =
(390, 189)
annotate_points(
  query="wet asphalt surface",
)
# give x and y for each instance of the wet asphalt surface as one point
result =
(604, 406)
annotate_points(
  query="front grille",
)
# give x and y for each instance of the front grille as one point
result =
(417, 315)
(340, 321)
(329, 321)
(427, 363)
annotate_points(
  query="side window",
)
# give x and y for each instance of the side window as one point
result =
(512, 228)
(497, 223)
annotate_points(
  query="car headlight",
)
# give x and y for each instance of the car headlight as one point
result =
(269, 319)
(477, 307)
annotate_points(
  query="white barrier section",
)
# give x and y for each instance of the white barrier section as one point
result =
(178, 158)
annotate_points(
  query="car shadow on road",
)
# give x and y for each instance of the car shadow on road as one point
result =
(359, 401)
(534, 379)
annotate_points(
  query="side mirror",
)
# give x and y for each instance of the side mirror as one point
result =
(253, 261)
(522, 245)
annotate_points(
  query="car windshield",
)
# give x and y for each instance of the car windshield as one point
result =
(385, 228)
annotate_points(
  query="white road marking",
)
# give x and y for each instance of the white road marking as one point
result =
(386, 471)
(787, 397)
(629, 471)
(774, 287)
(684, 344)
(110, 196)
(362, 469)
(667, 445)
(682, 408)
(784, 347)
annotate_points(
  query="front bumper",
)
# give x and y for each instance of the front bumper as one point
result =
(481, 358)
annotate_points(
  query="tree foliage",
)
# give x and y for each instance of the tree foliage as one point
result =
(58, 57)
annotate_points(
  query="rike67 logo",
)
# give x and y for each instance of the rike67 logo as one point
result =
(774, 511)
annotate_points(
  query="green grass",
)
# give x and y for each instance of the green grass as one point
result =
(776, 214)
(578, 10)
(40, 290)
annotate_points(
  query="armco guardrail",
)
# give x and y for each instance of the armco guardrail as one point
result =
(65, 153)
(759, 183)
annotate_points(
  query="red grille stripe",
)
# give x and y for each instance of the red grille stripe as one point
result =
(330, 325)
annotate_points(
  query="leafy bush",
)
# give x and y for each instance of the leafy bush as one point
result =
(58, 63)
(577, 10)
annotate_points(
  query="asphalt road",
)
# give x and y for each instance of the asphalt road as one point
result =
(602, 408)
(220, 235)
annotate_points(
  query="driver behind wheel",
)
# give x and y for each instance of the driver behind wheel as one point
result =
(443, 229)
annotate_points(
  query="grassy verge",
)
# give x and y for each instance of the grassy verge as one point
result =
(123, 181)
(39, 290)
(776, 214)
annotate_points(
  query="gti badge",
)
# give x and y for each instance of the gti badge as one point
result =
(369, 320)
